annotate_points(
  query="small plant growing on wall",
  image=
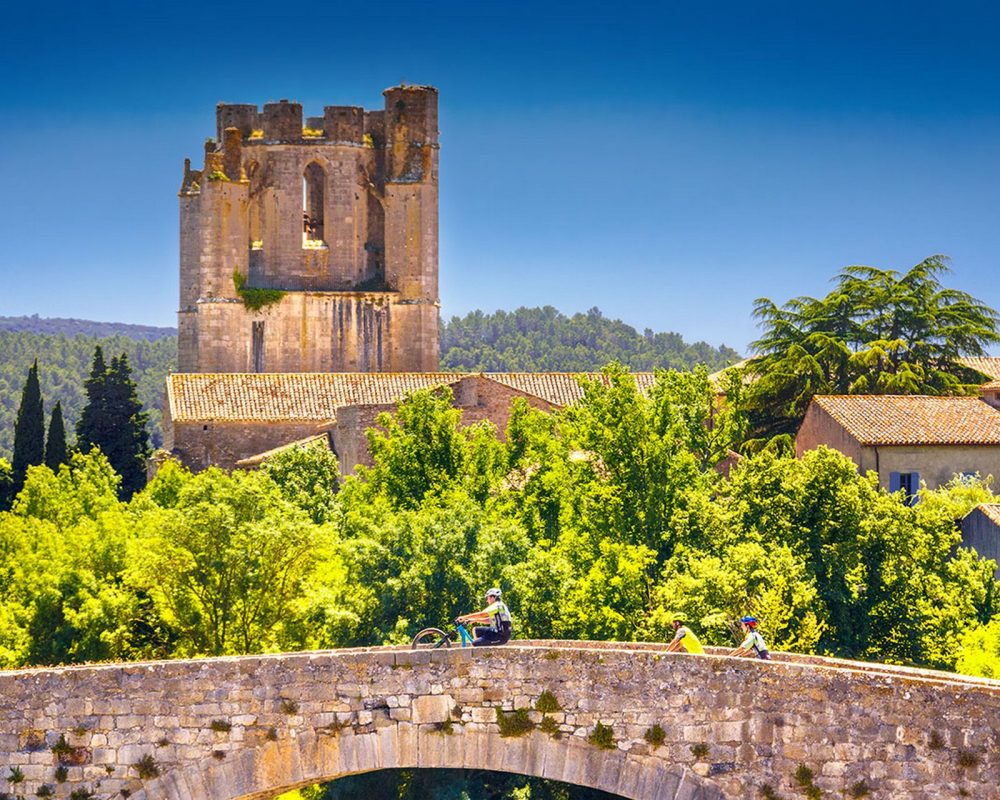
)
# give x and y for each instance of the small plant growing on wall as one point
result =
(514, 723)
(699, 750)
(602, 736)
(289, 706)
(547, 703)
(81, 794)
(61, 774)
(655, 736)
(220, 726)
(447, 727)
(967, 758)
(549, 726)
(255, 299)
(859, 789)
(44, 791)
(935, 742)
(147, 767)
(805, 778)
(16, 776)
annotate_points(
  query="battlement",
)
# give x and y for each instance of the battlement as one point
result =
(412, 112)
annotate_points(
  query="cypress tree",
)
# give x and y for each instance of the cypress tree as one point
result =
(114, 421)
(93, 426)
(55, 443)
(29, 429)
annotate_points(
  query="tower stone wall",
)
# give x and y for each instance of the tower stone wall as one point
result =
(312, 245)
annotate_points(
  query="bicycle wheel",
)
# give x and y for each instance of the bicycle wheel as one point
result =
(430, 639)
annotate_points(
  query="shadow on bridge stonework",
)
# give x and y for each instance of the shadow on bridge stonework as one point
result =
(631, 720)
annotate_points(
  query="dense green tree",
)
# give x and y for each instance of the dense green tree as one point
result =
(223, 559)
(979, 652)
(64, 547)
(877, 332)
(308, 477)
(29, 430)
(56, 452)
(890, 584)
(113, 420)
(422, 450)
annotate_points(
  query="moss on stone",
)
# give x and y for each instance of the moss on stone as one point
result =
(253, 298)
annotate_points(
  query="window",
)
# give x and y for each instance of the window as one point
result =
(256, 228)
(906, 482)
(258, 347)
(313, 187)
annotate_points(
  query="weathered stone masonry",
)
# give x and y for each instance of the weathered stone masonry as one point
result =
(340, 213)
(222, 729)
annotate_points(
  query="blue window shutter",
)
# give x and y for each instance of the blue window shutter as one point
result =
(894, 483)
(916, 488)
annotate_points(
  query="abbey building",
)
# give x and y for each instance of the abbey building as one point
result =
(309, 285)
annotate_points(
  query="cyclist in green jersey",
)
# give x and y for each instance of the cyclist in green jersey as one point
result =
(684, 639)
(753, 644)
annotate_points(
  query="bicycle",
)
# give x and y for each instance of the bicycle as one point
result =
(434, 638)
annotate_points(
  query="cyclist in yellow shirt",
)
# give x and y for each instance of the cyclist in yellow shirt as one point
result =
(684, 639)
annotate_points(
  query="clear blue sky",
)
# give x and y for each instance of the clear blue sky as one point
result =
(667, 162)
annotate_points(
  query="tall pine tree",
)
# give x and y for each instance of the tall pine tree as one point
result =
(29, 430)
(55, 443)
(114, 421)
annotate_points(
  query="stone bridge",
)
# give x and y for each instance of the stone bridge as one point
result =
(631, 720)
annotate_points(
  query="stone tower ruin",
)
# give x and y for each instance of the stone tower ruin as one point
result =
(312, 245)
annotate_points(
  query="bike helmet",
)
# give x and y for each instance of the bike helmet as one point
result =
(750, 622)
(494, 592)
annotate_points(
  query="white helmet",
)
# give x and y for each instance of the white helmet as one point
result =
(494, 592)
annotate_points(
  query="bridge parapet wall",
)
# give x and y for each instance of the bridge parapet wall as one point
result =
(242, 728)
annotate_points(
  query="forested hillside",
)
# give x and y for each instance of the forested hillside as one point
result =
(528, 339)
(86, 327)
(545, 340)
(63, 365)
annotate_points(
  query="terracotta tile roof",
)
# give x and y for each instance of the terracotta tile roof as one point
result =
(991, 386)
(311, 396)
(984, 364)
(914, 420)
(991, 510)
(303, 396)
(558, 388)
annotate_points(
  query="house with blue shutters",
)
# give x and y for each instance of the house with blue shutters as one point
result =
(909, 440)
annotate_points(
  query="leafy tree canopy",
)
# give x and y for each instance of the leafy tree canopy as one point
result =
(877, 332)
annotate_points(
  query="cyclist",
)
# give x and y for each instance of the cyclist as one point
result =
(684, 639)
(753, 644)
(497, 615)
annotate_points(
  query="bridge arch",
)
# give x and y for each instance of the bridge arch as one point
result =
(671, 725)
(317, 757)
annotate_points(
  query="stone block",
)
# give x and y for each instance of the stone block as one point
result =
(432, 708)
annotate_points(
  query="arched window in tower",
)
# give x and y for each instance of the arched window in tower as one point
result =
(313, 187)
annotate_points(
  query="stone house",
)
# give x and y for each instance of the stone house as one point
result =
(981, 531)
(238, 419)
(909, 439)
